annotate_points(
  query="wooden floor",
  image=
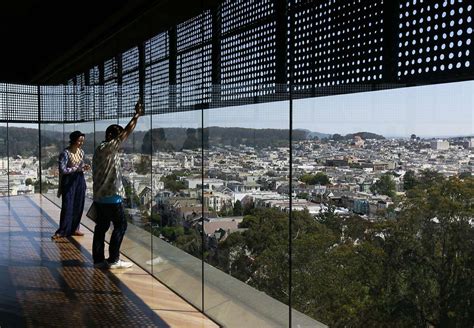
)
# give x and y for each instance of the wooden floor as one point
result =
(45, 283)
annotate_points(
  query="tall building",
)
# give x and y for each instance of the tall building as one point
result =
(440, 145)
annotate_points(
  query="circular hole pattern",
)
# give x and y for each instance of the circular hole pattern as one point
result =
(433, 37)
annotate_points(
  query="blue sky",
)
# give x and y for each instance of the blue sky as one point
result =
(440, 110)
(437, 110)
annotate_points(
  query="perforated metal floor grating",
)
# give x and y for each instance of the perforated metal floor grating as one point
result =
(54, 284)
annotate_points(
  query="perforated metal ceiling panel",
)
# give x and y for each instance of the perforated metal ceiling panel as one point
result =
(130, 80)
(52, 103)
(82, 99)
(193, 72)
(95, 91)
(21, 102)
(3, 104)
(94, 76)
(110, 108)
(247, 49)
(335, 42)
(434, 38)
(157, 73)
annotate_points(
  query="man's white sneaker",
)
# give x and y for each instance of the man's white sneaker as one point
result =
(120, 265)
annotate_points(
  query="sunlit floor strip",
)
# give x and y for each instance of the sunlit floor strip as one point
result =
(53, 283)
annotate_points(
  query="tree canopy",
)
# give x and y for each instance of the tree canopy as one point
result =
(413, 270)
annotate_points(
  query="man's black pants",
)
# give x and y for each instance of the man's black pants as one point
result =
(107, 213)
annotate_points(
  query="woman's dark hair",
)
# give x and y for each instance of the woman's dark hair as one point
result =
(74, 136)
(113, 131)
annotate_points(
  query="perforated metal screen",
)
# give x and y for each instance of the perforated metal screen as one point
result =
(193, 69)
(111, 90)
(157, 73)
(52, 103)
(130, 82)
(434, 38)
(248, 42)
(335, 42)
(19, 103)
(248, 51)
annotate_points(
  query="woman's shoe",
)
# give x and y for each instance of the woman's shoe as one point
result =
(56, 236)
(78, 233)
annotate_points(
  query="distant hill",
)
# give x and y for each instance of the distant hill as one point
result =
(24, 141)
(319, 135)
(364, 135)
(21, 141)
(182, 138)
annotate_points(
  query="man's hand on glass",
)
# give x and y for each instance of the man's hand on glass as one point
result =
(139, 108)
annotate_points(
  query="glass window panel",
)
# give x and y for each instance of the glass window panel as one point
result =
(177, 247)
(52, 143)
(379, 173)
(246, 220)
(23, 142)
(137, 178)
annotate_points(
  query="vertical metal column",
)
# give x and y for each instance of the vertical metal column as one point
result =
(281, 42)
(202, 159)
(290, 48)
(389, 62)
(8, 145)
(38, 90)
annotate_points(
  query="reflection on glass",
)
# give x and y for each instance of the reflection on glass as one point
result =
(52, 143)
(23, 143)
(176, 149)
(247, 204)
(136, 173)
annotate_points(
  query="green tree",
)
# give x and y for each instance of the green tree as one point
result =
(384, 186)
(337, 137)
(465, 175)
(302, 195)
(45, 185)
(430, 255)
(172, 233)
(409, 180)
(238, 210)
(428, 178)
(190, 242)
(172, 183)
(413, 270)
(315, 179)
(51, 162)
(248, 221)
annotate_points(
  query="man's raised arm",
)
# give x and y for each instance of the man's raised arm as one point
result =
(133, 122)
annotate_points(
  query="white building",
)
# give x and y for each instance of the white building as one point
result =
(440, 145)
